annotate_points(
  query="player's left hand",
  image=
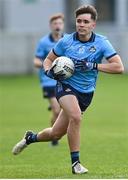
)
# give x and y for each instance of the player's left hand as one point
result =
(84, 66)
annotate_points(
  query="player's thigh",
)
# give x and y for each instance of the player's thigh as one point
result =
(54, 104)
(70, 105)
(61, 124)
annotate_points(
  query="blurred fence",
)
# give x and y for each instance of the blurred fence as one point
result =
(17, 51)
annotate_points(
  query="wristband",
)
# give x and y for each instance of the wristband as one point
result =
(95, 66)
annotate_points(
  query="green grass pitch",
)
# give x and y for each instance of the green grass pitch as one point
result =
(104, 131)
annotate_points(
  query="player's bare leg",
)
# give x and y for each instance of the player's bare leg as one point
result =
(55, 107)
(73, 112)
(74, 115)
(58, 130)
(68, 122)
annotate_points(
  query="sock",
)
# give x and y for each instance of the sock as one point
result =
(54, 142)
(32, 138)
(74, 156)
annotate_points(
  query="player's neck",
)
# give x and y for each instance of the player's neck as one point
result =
(56, 37)
(85, 37)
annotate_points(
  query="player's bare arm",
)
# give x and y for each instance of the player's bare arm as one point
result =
(114, 65)
(49, 60)
(38, 63)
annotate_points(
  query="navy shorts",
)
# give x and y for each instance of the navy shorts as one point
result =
(84, 99)
(49, 92)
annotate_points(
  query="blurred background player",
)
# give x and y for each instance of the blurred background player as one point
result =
(44, 46)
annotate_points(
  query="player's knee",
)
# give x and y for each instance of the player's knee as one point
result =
(75, 118)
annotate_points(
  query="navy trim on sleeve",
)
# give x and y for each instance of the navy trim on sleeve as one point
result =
(111, 56)
(39, 57)
(51, 37)
(55, 52)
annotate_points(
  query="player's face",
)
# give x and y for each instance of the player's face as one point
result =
(84, 24)
(57, 26)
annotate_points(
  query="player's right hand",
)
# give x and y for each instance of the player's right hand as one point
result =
(50, 73)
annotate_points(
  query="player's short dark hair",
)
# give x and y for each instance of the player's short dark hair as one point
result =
(87, 9)
(56, 16)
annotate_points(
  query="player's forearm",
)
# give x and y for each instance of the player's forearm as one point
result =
(38, 63)
(47, 64)
(49, 60)
(114, 68)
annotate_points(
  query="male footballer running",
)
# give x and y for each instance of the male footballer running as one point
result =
(75, 94)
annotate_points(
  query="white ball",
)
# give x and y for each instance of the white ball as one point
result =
(63, 65)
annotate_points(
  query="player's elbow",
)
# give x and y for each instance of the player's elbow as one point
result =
(37, 62)
(34, 62)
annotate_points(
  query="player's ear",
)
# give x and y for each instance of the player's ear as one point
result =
(94, 24)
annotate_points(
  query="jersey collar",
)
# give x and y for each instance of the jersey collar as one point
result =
(51, 38)
(92, 38)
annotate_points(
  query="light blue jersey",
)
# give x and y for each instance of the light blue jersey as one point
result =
(92, 51)
(43, 48)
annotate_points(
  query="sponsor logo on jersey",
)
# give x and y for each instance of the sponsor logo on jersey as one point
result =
(92, 49)
(81, 50)
(68, 90)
